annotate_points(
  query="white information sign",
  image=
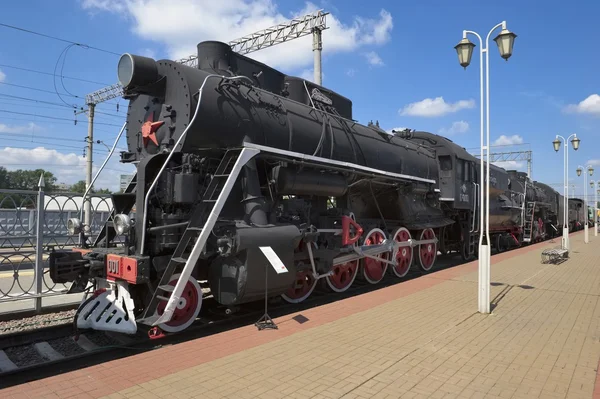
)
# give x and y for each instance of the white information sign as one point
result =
(274, 260)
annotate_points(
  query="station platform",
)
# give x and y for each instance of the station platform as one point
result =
(416, 339)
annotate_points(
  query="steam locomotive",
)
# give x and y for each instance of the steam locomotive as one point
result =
(249, 179)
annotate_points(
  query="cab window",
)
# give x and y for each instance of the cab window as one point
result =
(445, 166)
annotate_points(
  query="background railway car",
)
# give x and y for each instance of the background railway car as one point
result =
(554, 216)
(459, 193)
(576, 214)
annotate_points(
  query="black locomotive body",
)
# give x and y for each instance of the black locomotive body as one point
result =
(251, 182)
(243, 171)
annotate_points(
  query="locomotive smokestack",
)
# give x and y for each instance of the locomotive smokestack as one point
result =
(135, 70)
(216, 56)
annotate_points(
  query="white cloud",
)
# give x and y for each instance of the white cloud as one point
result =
(68, 168)
(509, 165)
(2, 76)
(16, 129)
(373, 58)
(432, 107)
(351, 72)
(591, 105)
(457, 127)
(508, 140)
(184, 23)
(148, 52)
(595, 162)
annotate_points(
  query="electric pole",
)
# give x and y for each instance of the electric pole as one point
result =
(317, 48)
(89, 163)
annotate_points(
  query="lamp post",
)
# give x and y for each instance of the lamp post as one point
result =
(556, 143)
(590, 170)
(596, 214)
(595, 185)
(464, 49)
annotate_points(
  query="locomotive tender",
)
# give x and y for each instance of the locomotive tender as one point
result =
(244, 171)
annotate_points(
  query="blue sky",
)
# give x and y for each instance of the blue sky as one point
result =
(394, 59)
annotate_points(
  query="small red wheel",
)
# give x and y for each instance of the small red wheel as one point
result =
(404, 255)
(343, 276)
(427, 252)
(304, 284)
(187, 308)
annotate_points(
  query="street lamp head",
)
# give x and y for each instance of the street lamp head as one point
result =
(505, 41)
(579, 170)
(592, 184)
(591, 170)
(556, 144)
(464, 49)
(575, 141)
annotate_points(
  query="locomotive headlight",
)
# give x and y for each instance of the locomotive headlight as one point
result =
(74, 226)
(122, 223)
(134, 71)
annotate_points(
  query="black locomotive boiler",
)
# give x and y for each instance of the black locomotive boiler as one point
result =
(241, 171)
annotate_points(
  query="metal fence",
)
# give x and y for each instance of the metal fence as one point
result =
(31, 223)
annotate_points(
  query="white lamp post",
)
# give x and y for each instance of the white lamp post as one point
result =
(556, 143)
(594, 185)
(464, 49)
(596, 213)
(590, 170)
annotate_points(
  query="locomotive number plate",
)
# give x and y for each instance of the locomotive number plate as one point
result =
(112, 267)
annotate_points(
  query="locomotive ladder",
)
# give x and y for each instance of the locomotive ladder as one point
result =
(108, 229)
(199, 228)
(528, 228)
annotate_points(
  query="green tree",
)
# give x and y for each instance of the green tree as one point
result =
(79, 187)
(28, 179)
(3, 177)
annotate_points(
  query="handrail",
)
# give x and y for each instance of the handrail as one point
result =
(152, 186)
(523, 205)
(475, 199)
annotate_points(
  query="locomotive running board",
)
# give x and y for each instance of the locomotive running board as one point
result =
(340, 164)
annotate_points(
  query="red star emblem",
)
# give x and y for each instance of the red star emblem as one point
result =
(149, 129)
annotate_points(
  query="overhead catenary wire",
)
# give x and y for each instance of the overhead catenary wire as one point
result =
(35, 100)
(52, 74)
(42, 90)
(53, 122)
(51, 117)
(82, 45)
